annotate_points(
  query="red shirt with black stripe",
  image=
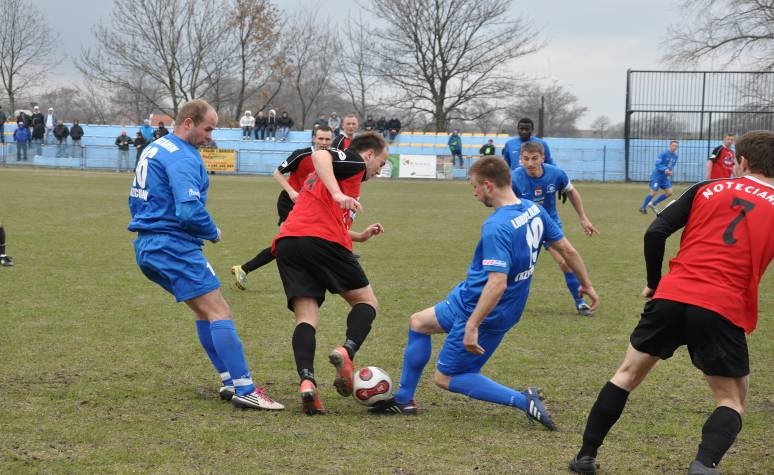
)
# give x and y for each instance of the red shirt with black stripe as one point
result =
(722, 159)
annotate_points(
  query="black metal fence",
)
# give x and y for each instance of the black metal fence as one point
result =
(696, 108)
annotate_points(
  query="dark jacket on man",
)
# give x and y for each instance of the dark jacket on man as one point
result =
(76, 132)
(123, 142)
(61, 132)
(38, 130)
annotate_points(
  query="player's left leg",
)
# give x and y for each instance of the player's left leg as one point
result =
(666, 194)
(240, 272)
(359, 321)
(653, 188)
(5, 260)
(573, 284)
(306, 310)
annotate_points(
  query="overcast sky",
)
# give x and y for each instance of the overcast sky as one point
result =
(590, 46)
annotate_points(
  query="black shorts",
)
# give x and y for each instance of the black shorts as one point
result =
(309, 266)
(284, 206)
(717, 346)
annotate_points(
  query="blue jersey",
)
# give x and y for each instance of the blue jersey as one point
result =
(510, 241)
(542, 190)
(512, 151)
(666, 161)
(170, 172)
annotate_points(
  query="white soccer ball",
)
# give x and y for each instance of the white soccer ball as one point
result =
(371, 385)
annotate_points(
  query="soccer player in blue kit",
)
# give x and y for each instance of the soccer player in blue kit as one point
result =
(479, 311)
(167, 202)
(539, 182)
(659, 179)
(512, 149)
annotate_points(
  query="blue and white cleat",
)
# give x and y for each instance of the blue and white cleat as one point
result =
(536, 411)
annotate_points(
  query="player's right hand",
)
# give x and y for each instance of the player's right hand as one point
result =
(590, 293)
(647, 293)
(347, 202)
(218, 237)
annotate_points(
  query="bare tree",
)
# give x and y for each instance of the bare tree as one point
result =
(355, 76)
(562, 110)
(27, 48)
(727, 29)
(171, 44)
(601, 125)
(443, 55)
(309, 53)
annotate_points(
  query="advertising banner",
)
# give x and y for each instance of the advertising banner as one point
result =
(219, 159)
(417, 166)
(444, 167)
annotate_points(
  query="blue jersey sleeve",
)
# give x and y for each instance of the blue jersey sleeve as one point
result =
(663, 162)
(547, 153)
(507, 154)
(562, 180)
(495, 246)
(553, 231)
(184, 180)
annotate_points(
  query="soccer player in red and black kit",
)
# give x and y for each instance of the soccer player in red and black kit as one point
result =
(349, 126)
(314, 254)
(299, 165)
(720, 163)
(707, 301)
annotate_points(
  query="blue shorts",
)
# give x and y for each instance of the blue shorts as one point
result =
(660, 182)
(177, 265)
(454, 358)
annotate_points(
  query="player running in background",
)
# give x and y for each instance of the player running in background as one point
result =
(479, 311)
(167, 202)
(314, 254)
(708, 300)
(349, 126)
(512, 149)
(539, 182)
(298, 165)
(659, 179)
(5, 260)
(720, 163)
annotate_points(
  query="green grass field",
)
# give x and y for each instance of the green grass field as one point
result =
(102, 371)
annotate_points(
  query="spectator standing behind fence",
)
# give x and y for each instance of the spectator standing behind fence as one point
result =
(247, 122)
(284, 124)
(76, 134)
(369, 124)
(139, 144)
(22, 137)
(271, 125)
(146, 129)
(455, 147)
(381, 126)
(61, 132)
(394, 128)
(260, 126)
(24, 119)
(334, 122)
(36, 115)
(160, 132)
(50, 124)
(123, 142)
(3, 118)
(38, 134)
(487, 149)
(720, 163)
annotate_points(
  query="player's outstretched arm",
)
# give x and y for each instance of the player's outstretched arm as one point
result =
(367, 233)
(283, 182)
(494, 288)
(574, 260)
(575, 199)
(323, 165)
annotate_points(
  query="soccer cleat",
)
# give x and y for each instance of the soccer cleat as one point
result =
(698, 468)
(6, 261)
(226, 392)
(643, 211)
(345, 369)
(652, 207)
(584, 310)
(392, 407)
(536, 411)
(240, 277)
(310, 398)
(257, 399)
(585, 465)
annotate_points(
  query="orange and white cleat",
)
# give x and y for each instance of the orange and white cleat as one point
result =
(310, 398)
(345, 371)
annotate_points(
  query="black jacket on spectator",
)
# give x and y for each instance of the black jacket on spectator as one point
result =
(123, 142)
(381, 124)
(285, 122)
(38, 118)
(261, 122)
(61, 132)
(394, 124)
(38, 131)
(24, 119)
(76, 132)
(369, 124)
(160, 132)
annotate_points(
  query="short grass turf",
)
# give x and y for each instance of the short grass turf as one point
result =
(102, 372)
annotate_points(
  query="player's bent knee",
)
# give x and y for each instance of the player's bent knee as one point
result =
(441, 380)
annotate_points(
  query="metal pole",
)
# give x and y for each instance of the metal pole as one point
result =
(604, 161)
(703, 97)
(541, 117)
(627, 124)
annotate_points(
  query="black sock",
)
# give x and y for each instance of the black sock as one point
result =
(260, 260)
(358, 326)
(718, 435)
(603, 416)
(2, 240)
(304, 345)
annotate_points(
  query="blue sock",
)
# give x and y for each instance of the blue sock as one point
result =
(648, 197)
(205, 338)
(415, 357)
(659, 199)
(478, 386)
(572, 284)
(229, 349)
